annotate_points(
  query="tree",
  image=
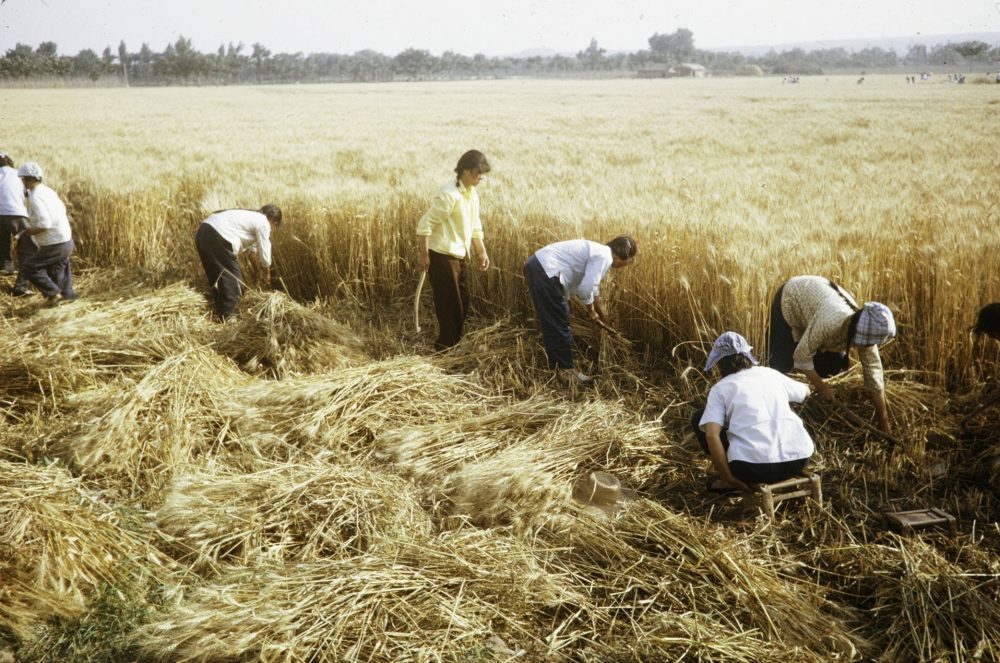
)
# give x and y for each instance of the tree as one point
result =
(972, 50)
(593, 56)
(413, 63)
(87, 63)
(123, 60)
(258, 56)
(677, 47)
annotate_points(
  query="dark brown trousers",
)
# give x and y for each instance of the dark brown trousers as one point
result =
(450, 285)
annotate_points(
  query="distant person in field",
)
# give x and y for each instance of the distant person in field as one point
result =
(13, 211)
(447, 233)
(747, 427)
(224, 235)
(814, 323)
(574, 268)
(47, 267)
(988, 321)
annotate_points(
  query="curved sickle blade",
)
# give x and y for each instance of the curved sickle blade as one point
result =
(416, 301)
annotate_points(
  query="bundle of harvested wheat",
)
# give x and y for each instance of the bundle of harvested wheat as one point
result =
(432, 599)
(523, 484)
(133, 434)
(278, 338)
(650, 561)
(288, 512)
(58, 545)
(57, 351)
(919, 605)
(346, 410)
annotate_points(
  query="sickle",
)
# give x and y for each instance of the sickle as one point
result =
(416, 301)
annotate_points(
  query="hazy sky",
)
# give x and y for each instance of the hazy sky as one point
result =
(494, 28)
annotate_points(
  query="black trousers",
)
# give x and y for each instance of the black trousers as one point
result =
(9, 226)
(450, 287)
(48, 269)
(781, 346)
(552, 308)
(742, 470)
(221, 267)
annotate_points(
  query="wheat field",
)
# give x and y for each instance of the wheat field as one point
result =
(313, 483)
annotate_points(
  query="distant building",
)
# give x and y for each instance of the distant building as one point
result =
(691, 70)
(656, 71)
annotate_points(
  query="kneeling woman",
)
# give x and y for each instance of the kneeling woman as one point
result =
(748, 428)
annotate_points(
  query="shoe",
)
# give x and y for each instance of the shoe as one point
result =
(7, 269)
(573, 376)
(54, 301)
(20, 293)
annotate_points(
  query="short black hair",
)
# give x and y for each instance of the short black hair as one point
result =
(272, 212)
(988, 321)
(624, 247)
(733, 364)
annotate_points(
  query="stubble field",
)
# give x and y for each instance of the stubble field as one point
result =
(313, 483)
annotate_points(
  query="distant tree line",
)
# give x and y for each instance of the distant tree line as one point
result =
(181, 64)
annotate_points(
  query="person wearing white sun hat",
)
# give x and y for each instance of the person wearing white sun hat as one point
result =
(747, 427)
(48, 268)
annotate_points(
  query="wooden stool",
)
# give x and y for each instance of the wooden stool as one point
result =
(909, 521)
(766, 495)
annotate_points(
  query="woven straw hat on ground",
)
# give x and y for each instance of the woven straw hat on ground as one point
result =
(602, 492)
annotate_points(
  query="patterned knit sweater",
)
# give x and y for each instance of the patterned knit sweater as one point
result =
(819, 317)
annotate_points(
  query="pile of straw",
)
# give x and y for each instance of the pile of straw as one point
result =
(58, 351)
(346, 411)
(444, 598)
(650, 565)
(58, 545)
(918, 604)
(288, 512)
(276, 337)
(134, 433)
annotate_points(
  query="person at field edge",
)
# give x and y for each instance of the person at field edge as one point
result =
(988, 321)
(747, 427)
(447, 232)
(48, 266)
(225, 234)
(571, 268)
(813, 325)
(13, 212)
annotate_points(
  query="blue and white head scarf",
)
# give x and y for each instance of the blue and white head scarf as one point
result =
(730, 343)
(875, 325)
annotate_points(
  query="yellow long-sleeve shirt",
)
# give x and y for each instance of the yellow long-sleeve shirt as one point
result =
(452, 221)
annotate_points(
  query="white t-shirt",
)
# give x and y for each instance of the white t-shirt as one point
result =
(752, 405)
(246, 230)
(11, 193)
(580, 265)
(46, 211)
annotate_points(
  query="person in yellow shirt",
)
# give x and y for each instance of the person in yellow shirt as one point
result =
(447, 233)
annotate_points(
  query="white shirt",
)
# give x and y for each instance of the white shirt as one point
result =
(752, 405)
(246, 230)
(46, 211)
(580, 265)
(11, 193)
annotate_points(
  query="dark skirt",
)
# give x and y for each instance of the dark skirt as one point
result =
(781, 346)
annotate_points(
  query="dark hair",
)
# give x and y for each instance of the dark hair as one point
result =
(5, 160)
(623, 246)
(472, 160)
(988, 321)
(733, 364)
(272, 212)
